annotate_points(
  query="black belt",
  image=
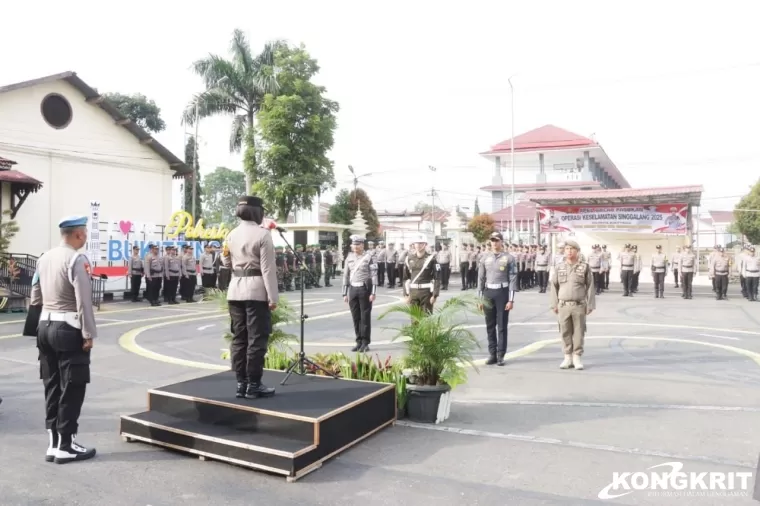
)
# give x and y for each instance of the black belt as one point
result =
(627, 265)
(246, 273)
(155, 272)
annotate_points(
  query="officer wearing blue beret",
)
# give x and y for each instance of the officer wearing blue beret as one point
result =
(62, 318)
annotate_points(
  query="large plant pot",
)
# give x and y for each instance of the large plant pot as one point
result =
(428, 404)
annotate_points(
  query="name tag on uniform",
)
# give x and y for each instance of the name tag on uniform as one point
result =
(502, 263)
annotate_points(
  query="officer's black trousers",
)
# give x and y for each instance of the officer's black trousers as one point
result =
(751, 286)
(421, 298)
(135, 282)
(65, 373)
(381, 273)
(686, 283)
(675, 276)
(659, 282)
(251, 326)
(464, 268)
(497, 319)
(445, 273)
(208, 280)
(224, 279)
(153, 288)
(390, 270)
(170, 289)
(743, 285)
(635, 281)
(721, 284)
(187, 287)
(597, 281)
(606, 279)
(626, 277)
(543, 279)
(361, 312)
(715, 284)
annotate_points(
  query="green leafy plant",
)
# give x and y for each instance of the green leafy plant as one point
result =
(438, 344)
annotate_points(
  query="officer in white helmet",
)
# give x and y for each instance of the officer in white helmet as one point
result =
(420, 278)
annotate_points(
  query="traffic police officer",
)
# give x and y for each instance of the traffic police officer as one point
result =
(595, 264)
(251, 297)
(154, 275)
(380, 258)
(627, 261)
(637, 265)
(64, 321)
(172, 270)
(719, 269)
(208, 277)
(189, 274)
(606, 266)
(676, 265)
(420, 277)
(687, 263)
(542, 269)
(443, 258)
(359, 287)
(497, 279)
(400, 260)
(136, 271)
(317, 265)
(391, 265)
(572, 299)
(751, 271)
(659, 272)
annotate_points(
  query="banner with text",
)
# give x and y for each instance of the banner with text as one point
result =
(641, 219)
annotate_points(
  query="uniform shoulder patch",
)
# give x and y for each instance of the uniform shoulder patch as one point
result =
(87, 267)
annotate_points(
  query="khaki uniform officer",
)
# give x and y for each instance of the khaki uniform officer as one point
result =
(64, 322)
(172, 269)
(382, 253)
(751, 272)
(659, 272)
(189, 274)
(719, 269)
(443, 258)
(542, 269)
(136, 271)
(154, 276)
(687, 263)
(572, 298)
(497, 282)
(420, 278)
(208, 274)
(359, 287)
(627, 262)
(251, 296)
(675, 264)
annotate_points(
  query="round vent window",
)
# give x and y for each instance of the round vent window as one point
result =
(56, 110)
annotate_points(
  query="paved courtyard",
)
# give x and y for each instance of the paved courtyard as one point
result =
(665, 381)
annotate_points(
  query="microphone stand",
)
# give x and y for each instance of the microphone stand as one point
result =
(299, 364)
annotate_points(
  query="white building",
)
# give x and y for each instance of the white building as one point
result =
(412, 221)
(62, 133)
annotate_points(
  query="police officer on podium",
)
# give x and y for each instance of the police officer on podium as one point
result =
(252, 296)
(497, 282)
(62, 317)
(359, 287)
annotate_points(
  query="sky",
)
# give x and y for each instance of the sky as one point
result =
(670, 89)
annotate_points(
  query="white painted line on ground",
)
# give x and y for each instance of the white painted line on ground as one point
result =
(546, 331)
(204, 327)
(720, 337)
(684, 407)
(108, 320)
(577, 444)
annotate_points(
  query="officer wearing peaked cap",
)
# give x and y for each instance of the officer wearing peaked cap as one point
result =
(62, 318)
(359, 287)
(659, 272)
(497, 282)
(572, 297)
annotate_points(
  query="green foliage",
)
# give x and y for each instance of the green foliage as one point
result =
(438, 344)
(297, 126)
(344, 209)
(481, 227)
(139, 109)
(8, 230)
(222, 189)
(236, 87)
(190, 157)
(747, 215)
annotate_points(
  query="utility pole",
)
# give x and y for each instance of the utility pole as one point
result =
(432, 207)
(512, 156)
(195, 161)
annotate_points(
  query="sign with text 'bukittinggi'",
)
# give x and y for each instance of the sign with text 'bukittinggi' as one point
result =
(643, 219)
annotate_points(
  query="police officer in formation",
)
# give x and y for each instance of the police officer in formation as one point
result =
(290, 271)
(279, 254)
(252, 296)
(136, 272)
(380, 257)
(687, 265)
(172, 273)
(751, 273)
(676, 266)
(359, 287)
(443, 259)
(659, 272)
(189, 274)
(497, 279)
(595, 264)
(637, 265)
(627, 265)
(719, 269)
(464, 266)
(420, 276)
(572, 299)
(606, 267)
(542, 269)
(62, 318)
(208, 273)
(317, 265)
(154, 275)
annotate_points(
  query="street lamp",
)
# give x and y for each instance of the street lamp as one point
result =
(512, 155)
(432, 206)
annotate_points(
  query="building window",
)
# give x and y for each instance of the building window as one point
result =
(56, 111)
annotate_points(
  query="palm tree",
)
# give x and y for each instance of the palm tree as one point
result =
(235, 87)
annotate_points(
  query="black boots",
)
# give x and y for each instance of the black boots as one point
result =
(241, 388)
(257, 389)
(500, 360)
(494, 359)
(69, 450)
(361, 347)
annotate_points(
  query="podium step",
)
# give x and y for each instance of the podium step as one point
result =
(217, 442)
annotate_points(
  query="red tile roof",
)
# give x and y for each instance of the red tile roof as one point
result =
(438, 216)
(547, 186)
(523, 211)
(722, 216)
(614, 194)
(544, 138)
(14, 176)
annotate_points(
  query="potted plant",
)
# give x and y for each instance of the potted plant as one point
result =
(438, 349)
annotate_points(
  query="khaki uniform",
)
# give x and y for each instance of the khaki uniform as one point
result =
(420, 280)
(751, 272)
(675, 264)
(172, 271)
(719, 269)
(136, 271)
(189, 277)
(359, 282)
(208, 275)
(627, 264)
(154, 278)
(687, 264)
(595, 264)
(542, 271)
(572, 295)
(659, 271)
(443, 258)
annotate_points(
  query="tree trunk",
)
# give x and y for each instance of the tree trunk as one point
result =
(250, 154)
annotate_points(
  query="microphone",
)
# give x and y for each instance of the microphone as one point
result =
(272, 225)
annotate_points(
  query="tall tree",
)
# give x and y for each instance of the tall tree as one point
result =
(747, 214)
(194, 178)
(139, 109)
(297, 127)
(476, 209)
(481, 227)
(236, 87)
(344, 209)
(222, 189)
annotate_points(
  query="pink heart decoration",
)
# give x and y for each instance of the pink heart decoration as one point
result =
(125, 227)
